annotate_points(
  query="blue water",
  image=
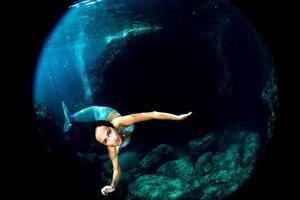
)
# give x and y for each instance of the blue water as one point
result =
(169, 56)
(223, 62)
(78, 38)
(67, 53)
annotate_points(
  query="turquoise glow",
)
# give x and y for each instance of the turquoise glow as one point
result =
(136, 31)
(72, 48)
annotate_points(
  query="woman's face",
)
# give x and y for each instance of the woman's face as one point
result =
(108, 136)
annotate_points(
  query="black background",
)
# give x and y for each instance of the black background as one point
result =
(31, 173)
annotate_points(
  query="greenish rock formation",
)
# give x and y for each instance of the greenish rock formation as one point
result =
(213, 176)
(182, 168)
(250, 147)
(203, 164)
(197, 146)
(137, 29)
(227, 138)
(226, 159)
(152, 187)
(270, 98)
(155, 158)
(116, 47)
(127, 160)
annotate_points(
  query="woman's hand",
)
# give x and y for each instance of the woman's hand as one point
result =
(184, 116)
(107, 189)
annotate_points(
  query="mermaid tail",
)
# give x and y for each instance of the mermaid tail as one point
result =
(68, 123)
(89, 114)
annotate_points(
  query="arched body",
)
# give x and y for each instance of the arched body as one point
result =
(113, 130)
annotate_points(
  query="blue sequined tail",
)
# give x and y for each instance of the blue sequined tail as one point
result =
(68, 123)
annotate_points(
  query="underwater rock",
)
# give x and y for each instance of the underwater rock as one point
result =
(152, 187)
(222, 183)
(250, 147)
(113, 50)
(270, 99)
(203, 164)
(226, 159)
(215, 175)
(129, 160)
(210, 191)
(228, 137)
(116, 48)
(155, 158)
(222, 176)
(182, 168)
(228, 168)
(217, 191)
(197, 146)
(218, 184)
(232, 156)
(221, 173)
(106, 178)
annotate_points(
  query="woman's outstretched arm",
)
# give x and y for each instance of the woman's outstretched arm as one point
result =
(113, 155)
(139, 117)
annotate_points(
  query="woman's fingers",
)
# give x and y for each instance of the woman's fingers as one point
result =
(107, 189)
(103, 191)
(184, 116)
(189, 113)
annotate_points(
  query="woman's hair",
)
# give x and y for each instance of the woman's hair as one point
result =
(101, 123)
(108, 124)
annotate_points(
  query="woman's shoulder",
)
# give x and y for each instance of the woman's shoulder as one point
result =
(114, 114)
(116, 121)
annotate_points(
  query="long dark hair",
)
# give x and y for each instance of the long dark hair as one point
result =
(101, 123)
(108, 124)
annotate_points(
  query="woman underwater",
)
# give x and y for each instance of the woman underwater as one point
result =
(113, 130)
